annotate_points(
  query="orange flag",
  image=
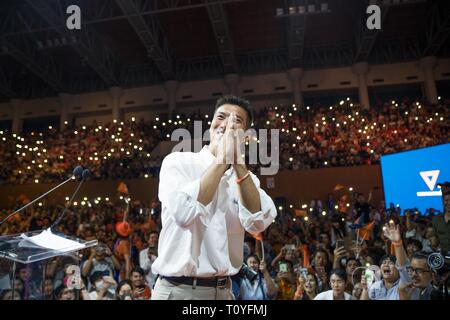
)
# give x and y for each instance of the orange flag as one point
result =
(122, 188)
(364, 232)
(305, 256)
(338, 187)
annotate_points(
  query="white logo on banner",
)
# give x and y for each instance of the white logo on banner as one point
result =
(430, 178)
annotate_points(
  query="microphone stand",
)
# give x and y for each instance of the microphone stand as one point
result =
(30, 203)
(85, 175)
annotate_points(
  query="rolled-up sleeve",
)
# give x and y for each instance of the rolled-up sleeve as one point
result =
(178, 193)
(403, 272)
(258, 221)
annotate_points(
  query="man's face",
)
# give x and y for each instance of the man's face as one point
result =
(320, 259)
(67, 294)
(351, 266)
(357, 290)
(420, 273)
(253, 263)
(290, 255)
(325, 239)
(411, 248)
(220, 120)
(337, 284)
(137, 279)
(24, 274)
(153, 240)
(100, 255)
(389, 271)
(310, 283)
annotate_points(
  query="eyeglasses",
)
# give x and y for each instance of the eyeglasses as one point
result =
(418, 271)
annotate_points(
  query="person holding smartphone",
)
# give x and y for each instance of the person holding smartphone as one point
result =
(141, 291)
(262, 287)
(286, 280)
(307, 287)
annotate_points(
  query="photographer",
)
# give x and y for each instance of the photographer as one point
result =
(102, 260)
(256, 284)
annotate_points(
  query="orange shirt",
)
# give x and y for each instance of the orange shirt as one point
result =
(286, 290)
(121, 249)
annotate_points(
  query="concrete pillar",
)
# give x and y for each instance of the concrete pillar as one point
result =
(361, 69)
(232, 82)
(64, 100)
(427, 65)
(116, 93)
(17, 124)
(295, 75)
(171, 88)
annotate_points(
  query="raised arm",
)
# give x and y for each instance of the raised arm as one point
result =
(392, 232)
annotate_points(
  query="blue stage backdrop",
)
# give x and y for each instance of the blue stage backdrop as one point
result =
(410, 178)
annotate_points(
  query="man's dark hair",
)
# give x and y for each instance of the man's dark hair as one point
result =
(353, 259)
(417, 243)
(97, 275)
(138, 270)
(254, 256)
(121, 284)
(340, 273)
(237, 101)
(420, 255)
(388, 257)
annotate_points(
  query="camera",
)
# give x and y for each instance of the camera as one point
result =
(246, 272)
(100, 249)
(440, 263)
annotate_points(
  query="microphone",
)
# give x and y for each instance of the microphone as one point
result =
(84, 176)
(76, 174)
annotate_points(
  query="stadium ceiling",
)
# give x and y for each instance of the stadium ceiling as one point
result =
(133, 43)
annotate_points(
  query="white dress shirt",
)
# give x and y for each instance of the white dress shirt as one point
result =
(328, 295)
(198, 240)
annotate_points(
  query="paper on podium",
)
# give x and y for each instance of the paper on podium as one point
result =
(46, 239)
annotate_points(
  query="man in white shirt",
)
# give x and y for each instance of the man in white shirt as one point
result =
(208, 202)
(148, 256)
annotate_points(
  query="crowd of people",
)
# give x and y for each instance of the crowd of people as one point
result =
(118, 267)
(322, 253)
(310, 137)
(344, 247)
